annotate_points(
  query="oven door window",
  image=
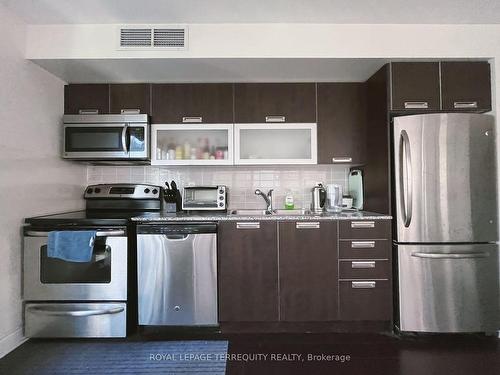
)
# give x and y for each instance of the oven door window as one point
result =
(202, 197)
(88, 139)
(58, 271)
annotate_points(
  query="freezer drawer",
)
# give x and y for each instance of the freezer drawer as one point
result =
(75, 319)
(448, 288)
(177, 279)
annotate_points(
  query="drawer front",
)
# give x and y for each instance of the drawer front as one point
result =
(75, 319)
(365, 300)
(360, 229)
(364, 249)
(364, 269)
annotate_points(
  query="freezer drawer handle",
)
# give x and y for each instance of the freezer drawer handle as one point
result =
(104, 233)
(464, 105)
(362, 224)
(76, 313)
(248, 225)
(308, 225)
(451, 255)
(362, 244)
(368, 264)
(416, 105)
(363, 284)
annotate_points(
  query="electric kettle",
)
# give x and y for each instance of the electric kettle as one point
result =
(318, 198)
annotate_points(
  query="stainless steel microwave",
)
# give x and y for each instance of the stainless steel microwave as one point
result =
(212, 198)
(106, 137)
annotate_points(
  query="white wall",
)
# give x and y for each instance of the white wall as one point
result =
(33, 179)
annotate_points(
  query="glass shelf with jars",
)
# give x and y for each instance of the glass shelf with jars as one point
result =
(192, 144)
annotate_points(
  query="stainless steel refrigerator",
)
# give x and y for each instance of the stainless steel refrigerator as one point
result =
(446, 218)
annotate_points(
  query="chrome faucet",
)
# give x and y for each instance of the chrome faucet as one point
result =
(268, 198)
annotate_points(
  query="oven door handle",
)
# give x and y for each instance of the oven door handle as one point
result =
(103, 233)
(76, 313)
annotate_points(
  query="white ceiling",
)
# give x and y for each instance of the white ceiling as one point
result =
(211, 70)
(256, 11)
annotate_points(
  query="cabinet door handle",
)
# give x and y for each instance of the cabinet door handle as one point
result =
(342, 160)
(275, 118)
(363, 284)
(88, 111)
(362, 244)
(189, 119)
(362, 224)
(307, 225)
(130, 111)
(464, 104)
(416, 105)
(365, 264)
(248, 225)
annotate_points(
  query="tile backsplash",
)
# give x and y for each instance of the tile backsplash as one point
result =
(241, 180)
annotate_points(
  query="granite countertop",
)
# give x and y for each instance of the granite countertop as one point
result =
(227, 216)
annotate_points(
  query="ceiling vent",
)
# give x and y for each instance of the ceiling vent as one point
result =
(153, 37)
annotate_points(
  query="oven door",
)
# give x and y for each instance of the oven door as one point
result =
(104, 278)
(96, 141)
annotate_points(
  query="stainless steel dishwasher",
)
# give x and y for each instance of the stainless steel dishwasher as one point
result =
(177, 274)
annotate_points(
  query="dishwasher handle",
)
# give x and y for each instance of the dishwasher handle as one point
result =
(177, 229)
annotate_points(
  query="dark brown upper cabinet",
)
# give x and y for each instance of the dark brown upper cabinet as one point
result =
(86, 97)
(308, 271)
(276, 102)
(341, 123)
(130, 97)
(415, 86)
(466, 85)
(205, 102)
(248, 271)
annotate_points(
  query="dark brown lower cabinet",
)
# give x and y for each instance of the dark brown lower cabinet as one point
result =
(248, 271)
(365, 300)
(308, 271)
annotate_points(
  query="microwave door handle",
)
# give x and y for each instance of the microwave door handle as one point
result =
(124, 138)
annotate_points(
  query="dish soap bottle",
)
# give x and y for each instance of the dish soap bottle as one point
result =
(289, 200)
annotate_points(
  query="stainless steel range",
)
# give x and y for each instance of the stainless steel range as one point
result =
(83, 299)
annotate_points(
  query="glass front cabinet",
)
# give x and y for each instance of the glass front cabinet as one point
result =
(192, 144)
(275, 143)
(228, 144)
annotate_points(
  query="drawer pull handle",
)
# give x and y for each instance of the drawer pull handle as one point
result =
(80, 313)
(363, 284)
(362, 224)
(308, 225)
(362, 244)
(464, 105)
(368, 264)
(189, 119)
(275, 118)
(342, 160)
(416, 105)
(248, 225)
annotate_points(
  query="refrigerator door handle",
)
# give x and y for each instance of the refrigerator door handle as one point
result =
(405, 166)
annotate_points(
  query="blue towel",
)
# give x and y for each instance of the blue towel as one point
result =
(71, 246)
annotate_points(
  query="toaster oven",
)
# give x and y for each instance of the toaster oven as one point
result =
(204, 198)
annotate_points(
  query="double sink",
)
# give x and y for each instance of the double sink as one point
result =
(254, 212)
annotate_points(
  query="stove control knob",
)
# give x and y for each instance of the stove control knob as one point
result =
(221, 191)
(90, 191)
(221, 204)
(155, 191)
(146, 191)
(221, 198)
(97, 190)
